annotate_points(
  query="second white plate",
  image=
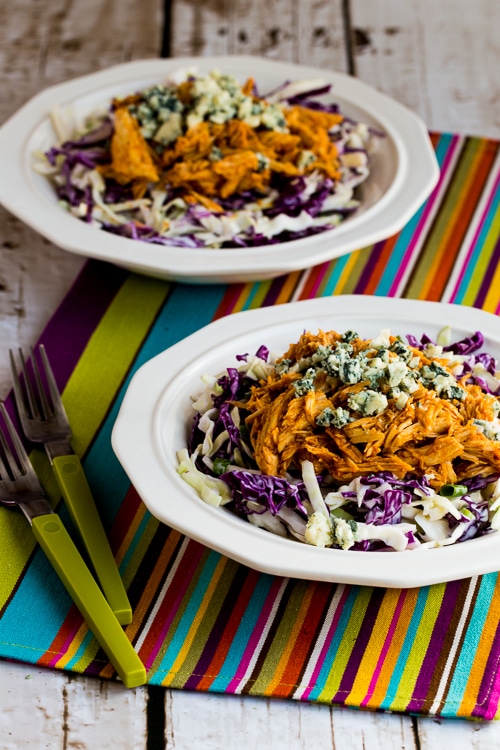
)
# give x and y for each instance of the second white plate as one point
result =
(155, 417)
(404, 170)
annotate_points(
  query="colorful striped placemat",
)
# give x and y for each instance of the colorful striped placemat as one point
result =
(202, 621)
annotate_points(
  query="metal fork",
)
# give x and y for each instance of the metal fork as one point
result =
(19, 486)
(44, 420)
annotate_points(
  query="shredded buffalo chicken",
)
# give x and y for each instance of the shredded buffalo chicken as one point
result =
(430, 435)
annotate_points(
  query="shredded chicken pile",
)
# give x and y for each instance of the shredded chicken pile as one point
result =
(429, 435)
(186, 164)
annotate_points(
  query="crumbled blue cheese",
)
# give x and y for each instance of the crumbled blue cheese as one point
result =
(368, 402)
(305, 384)
(490, 429)
(319, 530)
(333, 417)
(345, 533)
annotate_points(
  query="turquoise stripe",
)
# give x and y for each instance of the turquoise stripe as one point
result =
(187, 309)
(229, 668)
(193, 605)
(338, 267)
(253, 292)
(406, 646)
(475, 257)
(35, 614)
(81, 652)
(141, 529)
(408, 230)
(471, 641)
(333, 648)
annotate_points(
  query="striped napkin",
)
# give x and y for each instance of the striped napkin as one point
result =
(202, 621)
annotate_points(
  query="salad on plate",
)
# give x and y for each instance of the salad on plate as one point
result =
(204, 161)
(387, 443)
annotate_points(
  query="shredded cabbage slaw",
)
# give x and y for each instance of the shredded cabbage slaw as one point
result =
(296, 202)
(377, 511)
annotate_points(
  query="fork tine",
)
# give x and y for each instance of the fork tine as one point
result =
(18, 464)
(42, 395)
(25, 397)
(51, 381)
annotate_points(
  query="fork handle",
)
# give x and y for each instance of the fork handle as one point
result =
(88, 597)
(76, 491)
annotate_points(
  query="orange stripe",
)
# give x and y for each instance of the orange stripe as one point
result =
(286, 291)
(375, 645)
(394, 650)
(482, 654)
(305, 640)
(278, 686)
(445, 253)
(378, 269)
(226, 640)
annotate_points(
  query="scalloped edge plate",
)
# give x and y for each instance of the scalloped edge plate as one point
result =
(404, 171)
(153, 423)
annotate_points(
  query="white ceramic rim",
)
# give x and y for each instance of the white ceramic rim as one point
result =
(150, 424)
(416, 173)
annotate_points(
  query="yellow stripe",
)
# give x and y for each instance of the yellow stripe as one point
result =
(287, 651)
(374, 647)
(346, 646)
(492, 299)
(392, 656)
(482, 654)
(344, 277)
(205, 602)
(75, 644)
(288, 287)
(418, 650)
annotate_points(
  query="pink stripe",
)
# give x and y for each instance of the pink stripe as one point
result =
(385, 648)
(67, 643)
(431, 201)
(320, 275)
(255, 637)
(475, 239)
(326, 644)
(191, 557)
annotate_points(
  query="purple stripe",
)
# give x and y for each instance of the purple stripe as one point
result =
(362, 640)
(488, 276)
(488, 695)
(66, 334)
(273, 292)
(78, 315)
(370, 264)
(217, 630)
(435, 647)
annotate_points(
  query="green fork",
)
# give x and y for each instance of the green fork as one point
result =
(44, 420)
(19, 486)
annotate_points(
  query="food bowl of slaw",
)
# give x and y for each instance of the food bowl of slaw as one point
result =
(169, 216)
(380, 522)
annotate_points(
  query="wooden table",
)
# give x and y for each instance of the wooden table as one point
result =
(439, 58)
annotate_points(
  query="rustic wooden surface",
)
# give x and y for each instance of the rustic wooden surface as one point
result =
(439, 58)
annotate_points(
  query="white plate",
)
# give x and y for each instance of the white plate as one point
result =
(153, 423)
(404, 171)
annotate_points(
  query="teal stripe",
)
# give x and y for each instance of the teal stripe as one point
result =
(471, 641)
(81, 652)
(333, 648)
(187, 309)
(193, 605)
(253, 292)
(475, 257)
(408, 230)
(335, 274)
(406, 646)
(141, 529)
(229, 668)
(35, 614)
